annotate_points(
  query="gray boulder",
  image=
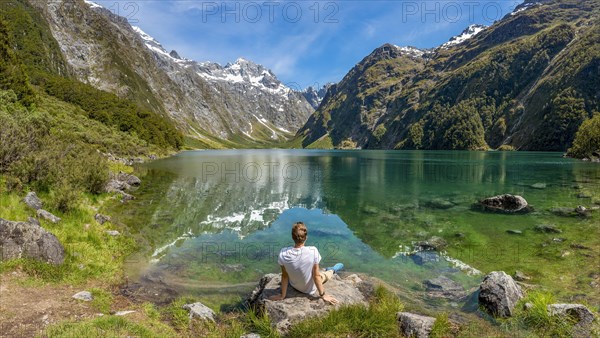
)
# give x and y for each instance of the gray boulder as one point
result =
(101, 218)
(33, 201)
(130, 180)
(48, 216)
(499, 293)
(579, 314)
(199, 310)
(507, 204)
(413, 325)
(114, 185)
(444, 287)
(29, 240)
(298, 306)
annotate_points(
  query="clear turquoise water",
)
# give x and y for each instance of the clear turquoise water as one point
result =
(214, 221)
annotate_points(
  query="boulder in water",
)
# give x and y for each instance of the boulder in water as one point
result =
(507, 204)
(424, 257)
(434, 243)
(498, 294)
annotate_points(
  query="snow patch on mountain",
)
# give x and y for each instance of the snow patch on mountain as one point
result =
(411, 51)
(468, 33)
(92, 4)
(156, 47)
(527, 5)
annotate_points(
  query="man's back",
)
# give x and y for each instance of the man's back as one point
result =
(299, 263)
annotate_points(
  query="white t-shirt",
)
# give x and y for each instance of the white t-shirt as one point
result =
(299, 263)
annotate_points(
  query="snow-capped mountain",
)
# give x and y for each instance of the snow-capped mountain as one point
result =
(252, 95)
(241, 102)
(468, 33)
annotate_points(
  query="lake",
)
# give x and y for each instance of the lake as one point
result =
(212, 222)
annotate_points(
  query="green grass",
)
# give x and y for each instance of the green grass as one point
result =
(109, 326)
(378, 319)
(176, 314)
(89, 252)
(102, 300)
(441, 327)
(324, 142)
(537, 317)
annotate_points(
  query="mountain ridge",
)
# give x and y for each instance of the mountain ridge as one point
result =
(505, 85)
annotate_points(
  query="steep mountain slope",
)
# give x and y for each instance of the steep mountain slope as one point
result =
(527, 81)
(208, 102)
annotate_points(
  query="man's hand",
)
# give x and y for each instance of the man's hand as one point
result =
(276, 297)
(330, 299)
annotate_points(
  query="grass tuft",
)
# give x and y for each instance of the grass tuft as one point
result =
(378, 319)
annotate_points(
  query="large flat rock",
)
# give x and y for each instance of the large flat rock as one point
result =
(298, 306)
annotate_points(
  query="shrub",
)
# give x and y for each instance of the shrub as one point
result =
(587, 139)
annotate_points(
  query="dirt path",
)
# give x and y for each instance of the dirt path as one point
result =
(26, 311)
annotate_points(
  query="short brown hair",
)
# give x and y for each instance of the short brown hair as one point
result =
(299, 232)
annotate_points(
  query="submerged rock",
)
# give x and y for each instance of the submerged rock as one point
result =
(413, 325)
(424, 257)
(498, 294)
(439, 203)
(33, 201)
(434, 243)
(580, 211)
(298, 306)
(538, 186)
(29, 240)
(547, 228)
(508, 204)
(444, 287)
(199, 310)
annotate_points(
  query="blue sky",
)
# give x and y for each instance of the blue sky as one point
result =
(304, 42)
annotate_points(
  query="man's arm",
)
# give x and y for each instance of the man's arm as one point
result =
(317, 279)
(284, 284)
(320, 288)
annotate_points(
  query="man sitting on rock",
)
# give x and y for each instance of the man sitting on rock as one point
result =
(300, 267)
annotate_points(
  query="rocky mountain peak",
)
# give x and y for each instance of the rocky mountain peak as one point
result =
(315, 96)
